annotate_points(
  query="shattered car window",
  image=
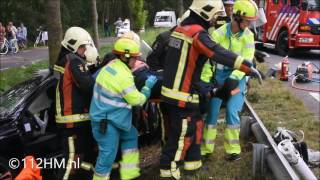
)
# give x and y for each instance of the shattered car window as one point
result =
(145, 49)
(10, 100)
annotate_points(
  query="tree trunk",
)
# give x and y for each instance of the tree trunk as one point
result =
(180, 8)
(54, 29)
(94, 17)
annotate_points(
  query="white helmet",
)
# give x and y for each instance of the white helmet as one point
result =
(75, 37)
(207, 9)
(183, 17)
(91, 55)
(133, 36)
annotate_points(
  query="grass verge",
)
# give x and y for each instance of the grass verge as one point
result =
(150, 34)
(13, 76)
(276, 107)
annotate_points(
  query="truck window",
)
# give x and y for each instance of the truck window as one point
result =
(310, 5)
(275, 1)
(284, 2)
(295, 2)
(163, 19)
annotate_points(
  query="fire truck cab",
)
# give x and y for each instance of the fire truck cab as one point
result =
(291, 24)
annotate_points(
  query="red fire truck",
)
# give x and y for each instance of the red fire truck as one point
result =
(290, 24)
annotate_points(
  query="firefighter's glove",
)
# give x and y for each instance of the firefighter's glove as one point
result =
(256, 74)
(229, 88)
(247, 67)
(151, 81)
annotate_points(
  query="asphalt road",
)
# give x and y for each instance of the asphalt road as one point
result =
(22, 58)
(310, 99)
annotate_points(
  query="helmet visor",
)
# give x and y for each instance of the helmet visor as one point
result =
(219, 14)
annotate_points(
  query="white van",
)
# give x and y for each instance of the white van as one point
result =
(165, 19)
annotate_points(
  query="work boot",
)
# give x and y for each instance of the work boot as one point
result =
(205, 158)
(233, 157)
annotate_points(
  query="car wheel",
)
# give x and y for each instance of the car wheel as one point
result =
(5, 171)
(282, 45)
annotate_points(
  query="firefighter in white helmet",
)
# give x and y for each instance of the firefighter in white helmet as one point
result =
(73, 96)
(228, 5)
(189, 47)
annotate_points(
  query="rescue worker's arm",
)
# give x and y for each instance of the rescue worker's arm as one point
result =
(247, 53)
(206, 46)
(137, 98)
(131, 93)
(81, 77)
(154, 60)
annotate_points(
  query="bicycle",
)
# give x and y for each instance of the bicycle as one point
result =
(5, 46)
(40, 38)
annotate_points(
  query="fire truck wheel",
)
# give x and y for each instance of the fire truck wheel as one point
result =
(282, 44)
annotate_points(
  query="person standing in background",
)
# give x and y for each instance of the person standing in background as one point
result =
(107, 32)
(118, 25)
(24, 31)
(2, 32)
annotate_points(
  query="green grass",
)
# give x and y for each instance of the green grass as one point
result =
(105, 49)
(150, 34)
(276, 107)
(13, 76)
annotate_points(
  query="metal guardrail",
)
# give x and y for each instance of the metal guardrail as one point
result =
(276, 161)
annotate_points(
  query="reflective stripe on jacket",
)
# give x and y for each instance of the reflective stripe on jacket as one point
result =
(73, 91)
(113, 95)
(188, 49)
(241, 43)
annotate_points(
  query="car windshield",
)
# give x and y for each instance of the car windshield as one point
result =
(313, 5)
(163, 19)
(145, 49)
(10, 100)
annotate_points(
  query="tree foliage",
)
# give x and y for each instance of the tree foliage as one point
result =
(138, 14)
(78, 12)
